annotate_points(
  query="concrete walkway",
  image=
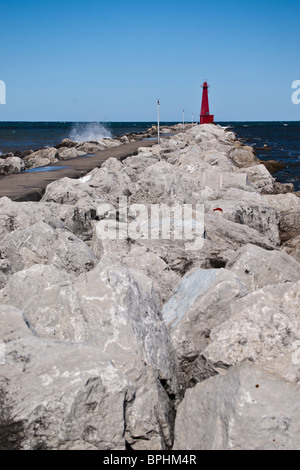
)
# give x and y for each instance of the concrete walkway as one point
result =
(30, 186)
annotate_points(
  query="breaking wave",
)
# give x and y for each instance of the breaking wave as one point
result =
(86, 132)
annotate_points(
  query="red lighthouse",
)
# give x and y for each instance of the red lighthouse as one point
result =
(205, 117)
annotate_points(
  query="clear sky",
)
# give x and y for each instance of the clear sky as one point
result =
(97, 60)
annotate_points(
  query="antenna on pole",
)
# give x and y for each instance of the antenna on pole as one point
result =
(158, 136)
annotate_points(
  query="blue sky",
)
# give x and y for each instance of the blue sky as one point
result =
(110, 61)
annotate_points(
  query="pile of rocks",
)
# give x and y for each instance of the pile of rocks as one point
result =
(20, 161)
(140, 342)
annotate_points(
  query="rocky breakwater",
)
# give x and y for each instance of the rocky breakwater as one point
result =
(119, 332)
(17, 162)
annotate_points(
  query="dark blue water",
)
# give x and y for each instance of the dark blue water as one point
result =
(34, 135)
(281, 138)
(282, 141)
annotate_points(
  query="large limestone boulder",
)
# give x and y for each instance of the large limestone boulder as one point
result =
(41, 157)
(288, 205)
(40, 243)
(58, 396)
(227, 236)
(66, 153)
(247, 409)
(18, 216)
(66, 143)
(243, 157)
(263, 325)
(282, 202)
(90, 147)
(260, 179)
(260, 217)
(110, 180)
(70, 191)
(11, 165)
(136, 164)
(257, 268)
(116, 311)
(162, 182)
(201, 302)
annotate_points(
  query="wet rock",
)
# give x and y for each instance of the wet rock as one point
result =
(66, 143)
(8, 155)
(247, 409)
(283, 188)
(272, 165)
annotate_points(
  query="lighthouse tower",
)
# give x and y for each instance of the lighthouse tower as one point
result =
(205, 117)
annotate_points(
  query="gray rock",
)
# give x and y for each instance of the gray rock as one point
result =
(282, 202)
(58, 396)
(111, 309)
(66, 143)
(65, 153)
(136, 164)
(201, 302)
(18, 216)
(70, 191)
(292, 248)
(5, 271)
(257, 268)
(40, 244)
(243, 157)
(247, 409)
(260, 179)
(11, 165)
(289, 225)
(263, 325)
(111, 180)
(262, 218)
(226, 235)
(90, 147)
(41, 157)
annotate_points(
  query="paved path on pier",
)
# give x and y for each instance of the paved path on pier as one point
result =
(30, 186)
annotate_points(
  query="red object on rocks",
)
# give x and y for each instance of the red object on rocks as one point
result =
(218, 209)
(205, 117)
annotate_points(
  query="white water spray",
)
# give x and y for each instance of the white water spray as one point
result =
(87, 132)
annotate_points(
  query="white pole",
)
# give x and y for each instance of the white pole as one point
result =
(183, 117)
(158, 121)
(192, 119)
